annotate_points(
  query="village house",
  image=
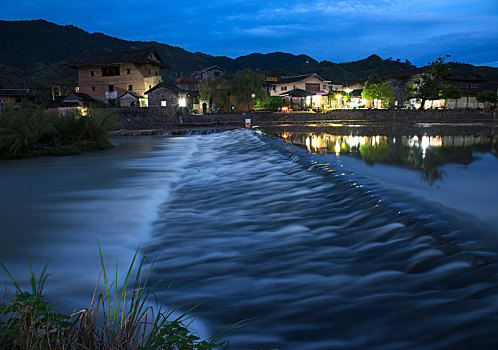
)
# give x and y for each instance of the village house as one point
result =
(192, 83)
(305, 90)
(73, 103)
(132, 99)
(12, 98)
(106, 76)
(171, 97)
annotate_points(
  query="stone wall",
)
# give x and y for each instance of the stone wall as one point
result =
(162, 118)
(160, 94)
(398, 116)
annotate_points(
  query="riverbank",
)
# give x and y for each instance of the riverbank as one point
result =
(142, 121)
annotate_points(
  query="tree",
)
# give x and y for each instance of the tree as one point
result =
(218, 92)
(450, 92)
(439, 68)
(487, 96)
(422, 88)
(247, 87)
(375, 89)
(244, 89)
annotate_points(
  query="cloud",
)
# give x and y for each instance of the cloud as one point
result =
(337, 30)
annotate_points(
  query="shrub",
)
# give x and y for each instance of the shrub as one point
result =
(117, 318)
(25, 129)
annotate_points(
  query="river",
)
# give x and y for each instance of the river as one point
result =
(320, 244)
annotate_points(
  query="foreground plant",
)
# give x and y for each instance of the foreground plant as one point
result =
(117, 318)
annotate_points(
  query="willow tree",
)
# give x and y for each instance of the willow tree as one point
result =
(218, 92)
(248, 87)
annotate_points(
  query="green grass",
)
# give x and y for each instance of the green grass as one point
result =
(29, 132)
(125, 315)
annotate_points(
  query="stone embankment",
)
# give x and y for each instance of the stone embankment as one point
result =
(152, 121)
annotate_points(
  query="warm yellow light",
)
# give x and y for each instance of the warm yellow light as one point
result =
(253, 95)
(338, 97)
(337, 147)
(348, 90)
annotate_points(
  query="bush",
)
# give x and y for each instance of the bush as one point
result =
(33, 131)
(122, 318)
(26, 129)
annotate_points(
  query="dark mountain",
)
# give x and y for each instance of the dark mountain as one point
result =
(34, 54)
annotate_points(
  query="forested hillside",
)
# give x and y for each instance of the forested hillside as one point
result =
(34, 54)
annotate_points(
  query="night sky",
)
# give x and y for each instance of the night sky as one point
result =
(338, 31)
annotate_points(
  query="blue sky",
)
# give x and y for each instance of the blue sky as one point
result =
(335, 30)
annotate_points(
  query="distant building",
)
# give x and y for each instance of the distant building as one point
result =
(192, 83)
(74, 102)
(308, 89)
(12, 98)
(106, 75)
(131, 99)
(171, 97)
(209, 73)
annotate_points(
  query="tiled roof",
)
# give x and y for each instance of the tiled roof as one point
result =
(297, 78)
(131, 93)
(297, 93)
(467, 77)
(163, 85)
(13, 92)
(90, 58)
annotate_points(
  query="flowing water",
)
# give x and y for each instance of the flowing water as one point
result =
(316, 250)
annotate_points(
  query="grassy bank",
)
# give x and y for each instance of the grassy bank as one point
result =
(29, 132)
(124, 316)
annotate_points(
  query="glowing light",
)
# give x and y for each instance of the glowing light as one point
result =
(253, 95)
(308, 100)
(424, 144)
(337, 147)
(182, 102)
(348, 90)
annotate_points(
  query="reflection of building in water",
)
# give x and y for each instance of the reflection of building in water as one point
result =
(328, 143)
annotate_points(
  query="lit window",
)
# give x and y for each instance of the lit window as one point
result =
(163, 103)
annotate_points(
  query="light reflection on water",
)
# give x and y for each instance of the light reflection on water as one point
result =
(418, 150)
(320, 257)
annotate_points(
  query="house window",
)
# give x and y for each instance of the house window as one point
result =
(128, 71)
(130, 87)
(312, 87)
(325, 86)
(110, 88)
(163, 103)
(92, 73)
(283, 88)
(93, 88)
(156, 73)
(150, 87)
(109, 71)
(149, 71)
